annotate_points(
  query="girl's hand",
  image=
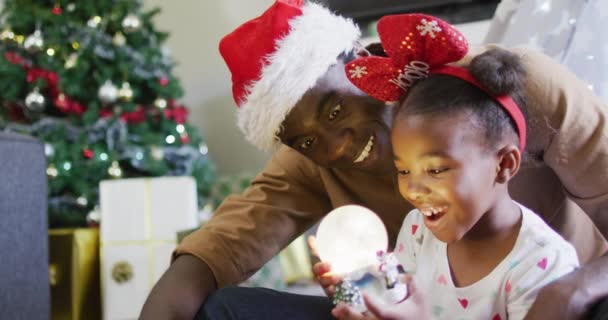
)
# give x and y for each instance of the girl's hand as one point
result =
(415, 306)
(322, 272)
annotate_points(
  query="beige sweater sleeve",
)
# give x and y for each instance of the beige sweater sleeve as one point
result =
(247, 230)
(569, 126)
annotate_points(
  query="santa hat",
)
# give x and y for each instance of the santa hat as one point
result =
(277, 57)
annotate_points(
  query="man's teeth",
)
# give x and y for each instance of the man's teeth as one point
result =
(432, 211)
(365, 153)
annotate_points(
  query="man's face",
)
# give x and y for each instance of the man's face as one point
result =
(446, 171)
(337, 126)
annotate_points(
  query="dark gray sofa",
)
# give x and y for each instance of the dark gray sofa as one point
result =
(24, 278)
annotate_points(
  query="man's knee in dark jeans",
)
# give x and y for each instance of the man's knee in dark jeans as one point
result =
(261, 303)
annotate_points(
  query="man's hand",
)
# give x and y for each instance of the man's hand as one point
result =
(181, 291)
(573, 295)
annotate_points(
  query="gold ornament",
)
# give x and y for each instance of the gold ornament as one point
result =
(54, 274)
(115, 171)
(70, 62)
(131, 23)
(94, 22)
(122, 272)
(157, 153)
(125, 93)
(119, 39)
(160, 103)
(19, 39)
(51, 171)
(7, 35)
(34, 42)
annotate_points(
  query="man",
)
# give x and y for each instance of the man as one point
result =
(289, 82)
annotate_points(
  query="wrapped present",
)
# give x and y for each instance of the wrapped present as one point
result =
(295, 261)
(74, 273)
(139, 222)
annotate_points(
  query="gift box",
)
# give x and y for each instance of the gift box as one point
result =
(139, 222)
(74, 274)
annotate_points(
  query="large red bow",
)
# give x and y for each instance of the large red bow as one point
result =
(415, 44)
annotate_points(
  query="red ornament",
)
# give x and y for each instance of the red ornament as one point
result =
(88, 153)
(134, 117)
(62, 103)
(163, 81)
(178, 114)
(56, 10)
(13, 58)
(184, 139)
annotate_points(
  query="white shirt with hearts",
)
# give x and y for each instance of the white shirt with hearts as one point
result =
(539, 256)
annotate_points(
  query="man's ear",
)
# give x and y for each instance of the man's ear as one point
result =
(509, 161)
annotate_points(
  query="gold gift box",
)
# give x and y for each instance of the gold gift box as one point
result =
(74, 274)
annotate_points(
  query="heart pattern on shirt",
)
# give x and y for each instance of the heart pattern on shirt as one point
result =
(414, 228)
(542, 263)
(508, 287)
(401, 247)
(464, 303)
(496, 317)
(442, 280)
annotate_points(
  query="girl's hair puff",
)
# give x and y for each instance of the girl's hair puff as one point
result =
(498, 70)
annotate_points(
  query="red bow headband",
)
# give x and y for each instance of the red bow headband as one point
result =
(418, 45)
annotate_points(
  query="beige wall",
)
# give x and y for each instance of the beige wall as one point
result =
(196, 27)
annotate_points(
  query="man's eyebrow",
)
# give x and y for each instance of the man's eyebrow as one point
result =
(318, 112)
(322, 103)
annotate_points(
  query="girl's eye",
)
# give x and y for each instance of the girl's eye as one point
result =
(403, 172)
(335, 112)
(307, 144)
(437, 171)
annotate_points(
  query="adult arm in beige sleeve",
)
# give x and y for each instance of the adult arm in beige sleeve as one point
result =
(247, 230)
(569, 124)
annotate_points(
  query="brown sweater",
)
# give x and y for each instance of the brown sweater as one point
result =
(567, 186)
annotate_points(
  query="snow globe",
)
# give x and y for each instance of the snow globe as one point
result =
(354, 241)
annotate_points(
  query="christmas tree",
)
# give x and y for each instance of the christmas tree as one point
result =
(93, 81)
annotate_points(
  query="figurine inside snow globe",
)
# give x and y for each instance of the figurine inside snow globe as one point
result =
(354, 241)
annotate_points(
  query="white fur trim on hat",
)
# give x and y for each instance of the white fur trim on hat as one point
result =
(313, 44)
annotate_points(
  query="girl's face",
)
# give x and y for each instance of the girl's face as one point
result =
(337, 126)
(446, 171)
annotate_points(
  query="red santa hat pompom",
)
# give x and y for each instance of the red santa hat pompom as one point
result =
(277, 57)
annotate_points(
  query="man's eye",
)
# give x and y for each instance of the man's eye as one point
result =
(335, 112)
(307, 144)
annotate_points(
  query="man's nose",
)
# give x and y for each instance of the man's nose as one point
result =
(339, 143)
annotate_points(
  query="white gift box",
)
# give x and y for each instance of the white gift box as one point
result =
(140, 219)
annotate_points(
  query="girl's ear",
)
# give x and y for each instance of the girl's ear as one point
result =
(509, 161)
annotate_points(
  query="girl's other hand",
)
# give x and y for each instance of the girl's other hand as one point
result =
(415, 306)
(322, 272)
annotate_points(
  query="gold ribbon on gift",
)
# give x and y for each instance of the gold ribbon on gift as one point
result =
(74, 273)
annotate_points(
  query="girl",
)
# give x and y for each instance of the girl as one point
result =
(458, 138)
